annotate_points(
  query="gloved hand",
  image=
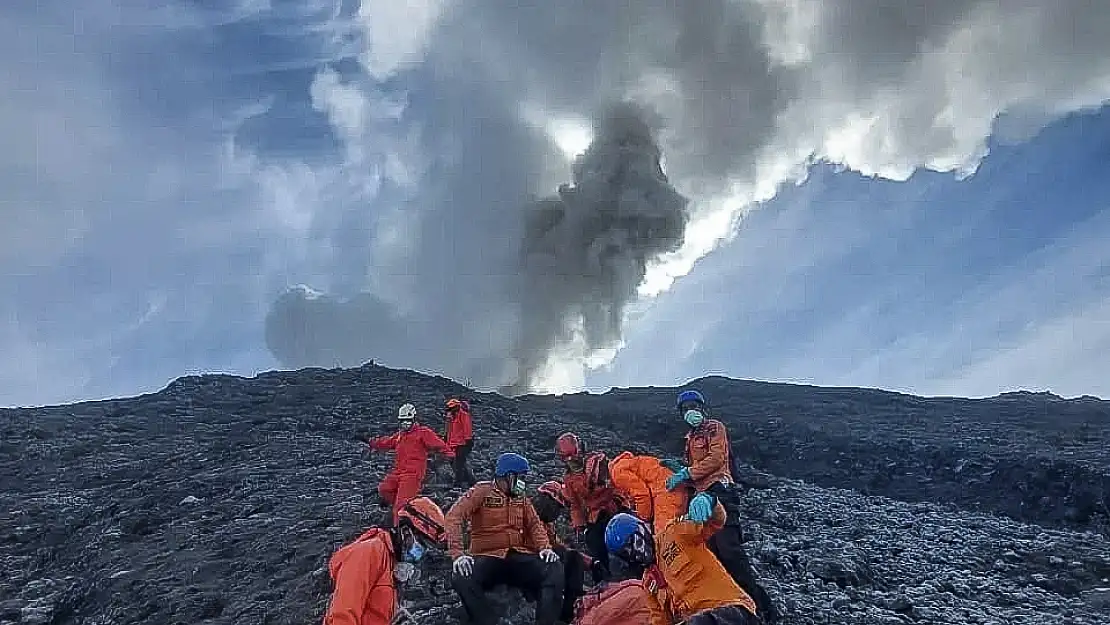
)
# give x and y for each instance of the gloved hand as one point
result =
(701, 508)
(463, 565)
(673, 465)
(678, 478)
(548, 555)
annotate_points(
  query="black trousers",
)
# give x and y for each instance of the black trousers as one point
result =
(517, 570)
(463, 474)
(728, 545)
(728, 615)
(574, 575)
(595, 545)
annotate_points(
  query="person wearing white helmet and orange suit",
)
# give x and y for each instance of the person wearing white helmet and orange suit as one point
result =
(411, 444)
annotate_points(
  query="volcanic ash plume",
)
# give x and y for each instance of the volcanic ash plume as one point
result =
(586, 251)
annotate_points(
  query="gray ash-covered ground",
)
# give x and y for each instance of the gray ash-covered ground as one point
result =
(219, 499)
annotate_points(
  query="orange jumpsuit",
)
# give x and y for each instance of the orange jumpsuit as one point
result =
(686, 577)
(643, 481)
(587, 501)
(410, 464)
(619, 603)
(460, 428)
(707, 454)
(362, 572)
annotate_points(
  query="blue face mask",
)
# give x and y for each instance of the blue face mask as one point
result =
(693, 418)
(415, 552)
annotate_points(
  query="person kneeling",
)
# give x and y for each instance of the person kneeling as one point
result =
(505, 536)
(368, 572)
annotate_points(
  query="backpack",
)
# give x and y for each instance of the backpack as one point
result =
(615, 603)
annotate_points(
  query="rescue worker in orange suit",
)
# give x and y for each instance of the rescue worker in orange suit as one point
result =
(708, 469)
(686, 582)
(642, 480)
(550, 502)
(460, 439)
(617, 602)
(411, 445)
(368, 572)
(591, 496)
(508, 545)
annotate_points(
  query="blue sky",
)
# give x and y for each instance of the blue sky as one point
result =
(168, 170)
(932, 285)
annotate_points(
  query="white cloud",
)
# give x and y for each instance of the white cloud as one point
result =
(397, 33)
(461, 111)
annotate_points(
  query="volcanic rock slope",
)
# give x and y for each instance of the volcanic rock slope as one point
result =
(219, 499)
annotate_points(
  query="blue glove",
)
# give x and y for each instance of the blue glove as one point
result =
(678, 478)
(701, 507)
(673, 465)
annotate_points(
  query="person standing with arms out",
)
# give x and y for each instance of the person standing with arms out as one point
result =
(411, 445)
(368, 572)
(708, 470)
(460, 439)
(505, 535)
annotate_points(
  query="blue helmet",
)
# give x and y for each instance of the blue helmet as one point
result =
(620, 529)
(511, 463)
(689, 396)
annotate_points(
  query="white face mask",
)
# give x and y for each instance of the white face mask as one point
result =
(693, 418)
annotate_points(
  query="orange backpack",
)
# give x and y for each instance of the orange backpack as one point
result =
(616, 603)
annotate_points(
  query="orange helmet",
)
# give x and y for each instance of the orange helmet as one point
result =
(568, 446)
(554, 489)
(597, 470)
(425, 517)
(453, 404)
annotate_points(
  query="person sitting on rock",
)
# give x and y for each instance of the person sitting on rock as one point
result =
(367, 572)
(508, 545)
(460, 439)
(591, 496)
(686, 582)
(550, 502)
(708, 469)
(411, 444)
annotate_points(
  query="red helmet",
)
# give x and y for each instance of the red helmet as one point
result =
(568, 446)
(597, 470)
(425, 517)
(554, 489)
(453, 404)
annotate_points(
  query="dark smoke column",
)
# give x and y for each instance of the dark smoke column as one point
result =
(586, 251)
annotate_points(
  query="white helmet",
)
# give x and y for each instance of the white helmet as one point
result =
(407, 412)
